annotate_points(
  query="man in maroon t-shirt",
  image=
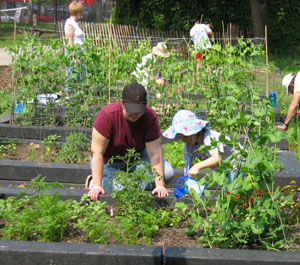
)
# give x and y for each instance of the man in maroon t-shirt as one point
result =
(124, 125)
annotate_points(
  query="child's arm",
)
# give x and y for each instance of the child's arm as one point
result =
(209, 162)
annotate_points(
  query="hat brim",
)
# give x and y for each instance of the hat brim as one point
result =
(286, 81)
(135, 108)
(171, 132)
(157, 52)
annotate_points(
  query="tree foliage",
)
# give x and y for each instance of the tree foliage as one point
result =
(283, 25)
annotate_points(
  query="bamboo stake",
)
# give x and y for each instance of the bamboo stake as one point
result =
(201, 18)
(109, 59)
(223, 34)
(230, 33)
(267, 62)
(13, 92)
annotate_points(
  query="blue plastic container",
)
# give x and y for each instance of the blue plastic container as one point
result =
(188, 184)
(272, 98)
(19, 107)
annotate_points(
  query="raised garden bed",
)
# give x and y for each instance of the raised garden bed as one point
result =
(42, 132)
(28, 253)
(170, 246)
(76, 173)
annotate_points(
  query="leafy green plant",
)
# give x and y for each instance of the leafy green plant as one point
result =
(293, 137)
(5, 148)
(40, 217)
(173, 153)
(72, 150)
(50, 144)
(92, 218)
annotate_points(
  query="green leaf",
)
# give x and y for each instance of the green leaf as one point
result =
(257, 228)
(290, 136)
(276, 136)
(271, 212)
(259, 112)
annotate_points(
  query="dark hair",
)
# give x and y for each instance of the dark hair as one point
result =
(193, 21)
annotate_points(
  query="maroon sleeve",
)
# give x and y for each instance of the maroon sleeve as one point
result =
(153, 130)
(103, 124)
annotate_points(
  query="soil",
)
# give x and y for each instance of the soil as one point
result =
(175, 237)
(35, 153)
(5, 77)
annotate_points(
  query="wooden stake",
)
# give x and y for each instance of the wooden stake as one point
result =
(223, 30)
(267, 62)
(13, 82)
(109, 58)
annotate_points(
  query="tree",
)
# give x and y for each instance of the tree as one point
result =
(259, 14)
(98, 9)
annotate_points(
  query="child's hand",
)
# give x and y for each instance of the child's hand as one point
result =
(194, 170)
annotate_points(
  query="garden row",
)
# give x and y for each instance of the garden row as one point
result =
(251, 214)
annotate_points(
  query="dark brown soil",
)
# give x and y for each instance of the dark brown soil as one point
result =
(34, 152)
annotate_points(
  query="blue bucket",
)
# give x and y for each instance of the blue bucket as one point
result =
(19, 107)
(272, 98)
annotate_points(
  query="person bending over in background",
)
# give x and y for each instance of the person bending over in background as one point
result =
(291, 82)
(200, 34)
(149, 61)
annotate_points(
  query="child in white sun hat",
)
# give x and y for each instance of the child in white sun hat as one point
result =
(194, 132)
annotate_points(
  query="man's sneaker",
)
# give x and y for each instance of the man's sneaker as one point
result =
(89, 182)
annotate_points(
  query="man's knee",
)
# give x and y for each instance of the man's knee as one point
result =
(168, 172)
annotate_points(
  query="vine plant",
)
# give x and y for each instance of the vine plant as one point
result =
(247, 211)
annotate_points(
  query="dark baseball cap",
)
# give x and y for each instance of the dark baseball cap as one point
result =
(135, 98)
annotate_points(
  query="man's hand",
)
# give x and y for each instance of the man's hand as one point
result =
(161, 191)
(282, 127)
(95, 192)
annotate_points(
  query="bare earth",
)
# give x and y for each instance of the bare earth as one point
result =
(5, 77)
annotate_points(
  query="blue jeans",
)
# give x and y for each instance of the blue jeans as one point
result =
(110, 169)
(71, 74)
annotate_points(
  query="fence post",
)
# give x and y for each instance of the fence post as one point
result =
(267, 62)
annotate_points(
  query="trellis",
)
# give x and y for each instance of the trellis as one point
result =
(122, 35)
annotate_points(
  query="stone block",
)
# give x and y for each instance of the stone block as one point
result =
(196, 256)
(45, 253)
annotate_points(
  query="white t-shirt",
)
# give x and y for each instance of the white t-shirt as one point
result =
(209, 135)
(297, 83)
(199, 33)
(78, 35)
(142, 69)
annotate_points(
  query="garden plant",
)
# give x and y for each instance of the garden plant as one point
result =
(248, 212)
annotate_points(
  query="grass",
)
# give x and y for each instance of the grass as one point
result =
(5, 101)
(7, 32)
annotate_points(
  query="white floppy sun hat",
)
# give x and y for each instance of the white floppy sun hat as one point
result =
(286, 82)
(185, 122)
(160, 49)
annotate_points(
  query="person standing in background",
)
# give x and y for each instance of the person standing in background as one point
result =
(200, 34)
(75, 36)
